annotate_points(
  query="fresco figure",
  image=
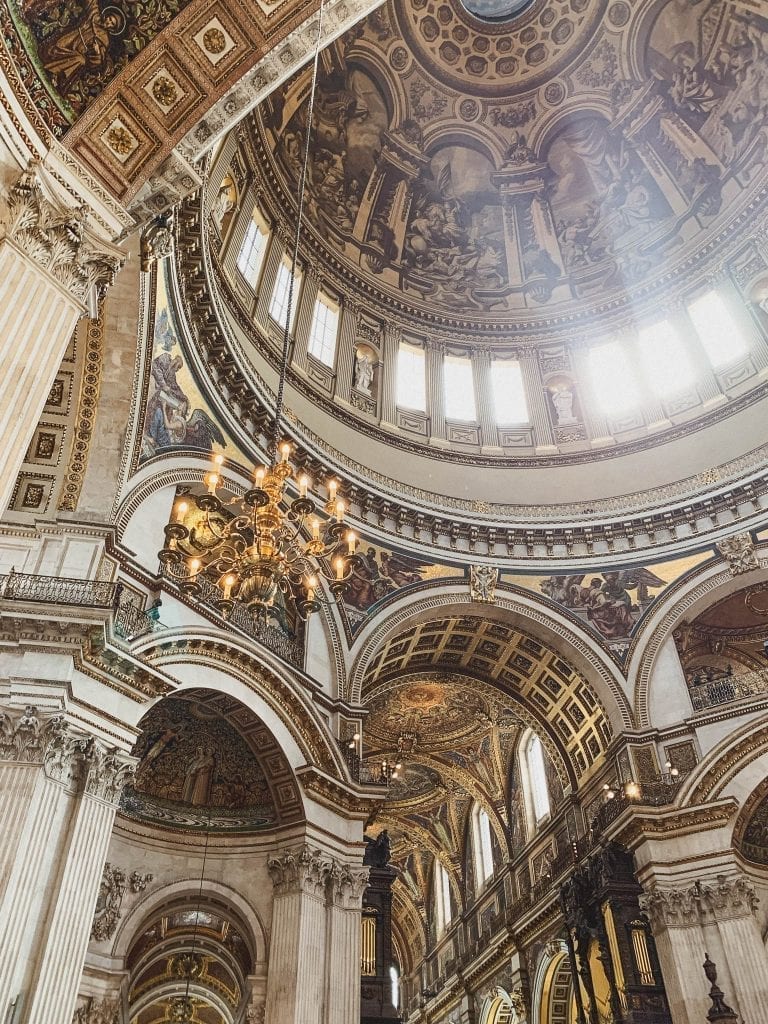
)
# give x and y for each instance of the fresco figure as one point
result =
(605, 601)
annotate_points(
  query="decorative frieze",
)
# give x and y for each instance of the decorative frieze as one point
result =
(739, 549)
(56, 238)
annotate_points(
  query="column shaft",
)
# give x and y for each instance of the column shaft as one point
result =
(748, 965)
(295, 983)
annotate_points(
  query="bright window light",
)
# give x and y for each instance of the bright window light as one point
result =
(251, 256)
(278, 305)
(411, 387)
(537, 776)
(459, 389)
(481, 842)
(324, 330)
(509, 401)
(718, 329)
(442, 898)
(665, 359)
(613, 379)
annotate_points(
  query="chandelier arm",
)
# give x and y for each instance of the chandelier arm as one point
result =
(296, 241)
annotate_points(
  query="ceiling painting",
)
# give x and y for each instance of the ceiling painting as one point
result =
(77, 47)
(176, 416)
(198, 770)
(754, 837)
(610, 602)
(452, 182)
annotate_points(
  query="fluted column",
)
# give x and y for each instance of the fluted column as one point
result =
(298, 948)
(434, 372)
(486, 413)
(60, 791)
(52, 270)
(275, 254)
(345, 357)
(342, 998)
(535, 396)
(676, 927)
(389, 372)
(730, 902)
(305, 307)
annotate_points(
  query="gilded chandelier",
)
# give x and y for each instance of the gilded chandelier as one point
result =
(266, 548)
(255, 549)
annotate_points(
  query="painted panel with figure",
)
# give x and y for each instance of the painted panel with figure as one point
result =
(377, 573)
(611, 601)
(197, 771)
(81, 45)
(176, 415)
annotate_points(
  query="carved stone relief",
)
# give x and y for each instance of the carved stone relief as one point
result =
(114, 883)
(739, 549)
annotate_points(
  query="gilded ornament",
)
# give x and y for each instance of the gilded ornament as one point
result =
(214, 40)
(120, 140)
(164, 90)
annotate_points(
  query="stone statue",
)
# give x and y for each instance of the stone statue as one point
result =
(378, 850)
(363, 372)
(222, 205)
(562, 399)
(482, 583)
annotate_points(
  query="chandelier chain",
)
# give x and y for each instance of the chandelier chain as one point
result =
(297, 239)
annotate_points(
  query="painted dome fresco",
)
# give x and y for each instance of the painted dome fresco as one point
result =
(509, 170)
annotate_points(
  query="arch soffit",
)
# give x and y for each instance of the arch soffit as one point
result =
(518, 610)
(550, 963)
(258, 683)
(698, 590)
(732, 769)
(154, 899)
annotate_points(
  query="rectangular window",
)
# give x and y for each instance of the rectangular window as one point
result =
(411, 383)
(665, 359)
(509, 401)
(324, 330)
(278, 305)
(459, 389)
(613, 380)
(250, 259)
(718, 330)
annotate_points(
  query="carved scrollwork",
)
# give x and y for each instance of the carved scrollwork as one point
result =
(739, 549)
(112, 889)
(482, 583)
(56, 238)
(103, 1011)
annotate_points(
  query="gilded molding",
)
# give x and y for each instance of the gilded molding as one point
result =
(87, 405)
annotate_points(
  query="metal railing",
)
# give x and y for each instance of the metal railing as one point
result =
(366, 772)
(22, 586)
(715, 692)
(129, 621)
(290, 649)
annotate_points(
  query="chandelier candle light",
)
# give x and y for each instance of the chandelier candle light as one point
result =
(267, 547)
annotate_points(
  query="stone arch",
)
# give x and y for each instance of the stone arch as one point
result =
(552, 988)
(732, 770)
(498, 1008)
(515, 608)
(154, 899)
(258, 681)
(684, 599)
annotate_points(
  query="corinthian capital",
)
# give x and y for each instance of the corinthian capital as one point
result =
(671, 908)
(348, 884)
(729, 897)
(56, 238)
(108, 770)
(303, 869)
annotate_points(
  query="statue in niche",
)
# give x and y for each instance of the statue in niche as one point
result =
(199, 778)
(363, 371)
(224, 203)
(562, 400)
(377, 851)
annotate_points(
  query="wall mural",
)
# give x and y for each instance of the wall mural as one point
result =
(176, 415)
(79, 46)
(612, 601)
(499, 216)
(196, 771)
(378, 573)
(754, 841)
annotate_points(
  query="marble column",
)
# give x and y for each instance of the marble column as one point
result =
(389, 371)
(64, 786)
(345, 356)
(486, 413)
(342, 998)
(434, 371)
(676, 927)
(298, 945)
(52, 271)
